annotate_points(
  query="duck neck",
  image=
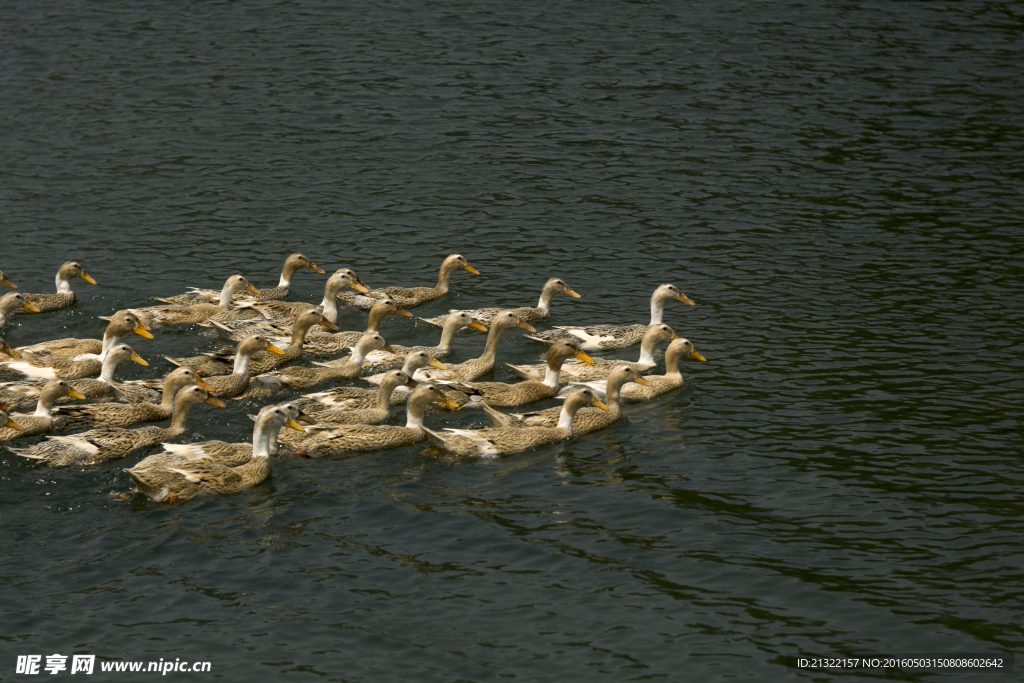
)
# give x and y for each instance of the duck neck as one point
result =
(330, 307)
(647, 354)
(110, 340)
(63, 284)
(287, 273)
(657, 310)
(373, 321)
(180, 415)
(611, 395)
(357, 356)
(167, 400)
(109, 364)
(552, 375)
(565, 418)
(413, 417)
(672, 363)
(273, 444)
(225, 297)
(44, 407)
(491, 349)
(299, 332)
(447, 334)
(261, 440)
(444, 276)
(545, 300)
(242, 361)
(384, 395)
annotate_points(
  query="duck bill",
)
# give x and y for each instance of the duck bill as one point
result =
(31, 306)
(203, 384)
(359, 287)
(87, 278)
(525, 326)
(570, 292)
(641, 380)
(329, 325)
(139, 359)
(302, 417)
(698, 355)
(7, 282)
(250, 288)
(142, 331)
(435, 363)
(292, 424)
(273, 349)
(315, 268)
(412, 384)
(685, 299)
(402, 312)
(75, 394)
(4, 348)
(11, 424)
(472, 269)
(584, 357)
(390, 349)
(448, 403)
(214, 401)
(598, 403)
(476, 325)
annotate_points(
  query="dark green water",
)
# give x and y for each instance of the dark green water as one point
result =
(837, 186)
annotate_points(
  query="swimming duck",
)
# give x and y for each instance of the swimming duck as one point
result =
(185, 479)
(108, 443)
(586, 421)
(64, 296)
(413, 362)
(657, 384)
(5, 281)
(221, 363)
(283, 312)
(139, 407)
(408, 297)
(457, 320)
(351, 405)
(292, 265)
(68, 368)
(43, 420)
(175, 314)
(525, 313)
(121, 324)
(506, 395)
(492, 442)
(609, 337)
(12, 303)
(357, 438)
(655, 336)
(299, 378)
(228, 386)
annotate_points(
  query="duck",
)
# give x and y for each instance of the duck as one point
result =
(69, 368)
(43, 420)
(413, 362)
(222, 452)
(139, 406)
(121, 324)
(298, 378)
(611, 337)
(407, 297)
(170, 483)
(493, 442)
(5, 281)
(500, 394)
(25, 391)
(180, 314)
(469, 370)
(655, 336)
(357, 406)
(12, 303)
(109, 443)
(526, 313)
(362, 438)
(220, 362)
(292, 265)
(283, 312)
(229, 386)
(656, 384)
(64, 298)
(456, 320)
(586, 421)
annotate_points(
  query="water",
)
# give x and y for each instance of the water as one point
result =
(837, 187)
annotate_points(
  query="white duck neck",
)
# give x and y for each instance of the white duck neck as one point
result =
(551, 377)
(657, 309)
(225, 297)
(242, 361)
(261, 440)
(565, 419)
(63, 284)
(44, 407)
(110, 340)
(109, 364)
(330, 307)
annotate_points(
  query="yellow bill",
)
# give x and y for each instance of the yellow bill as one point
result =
(87, 278)
(674, 337)
(4, 280)
(597, 403)
(526, 326)
(329, 325)
(472, 269)
(434, 363)
(570, 292)
(138, 359)
(641, 380)
(273, 349)
(477, 326)
(203, 384)
(11, 424)
(31, 306)
(359, 286)
(584, 357)
(698, 355)
(4, 348)
(390, 349)
(141, 330)
(685, 299)
(402, 312)
(316, 269)
(412, 384)
(292, 424)
(448, 403)
(305, 418)
(75, 394)
(214, 401)
(250, 288)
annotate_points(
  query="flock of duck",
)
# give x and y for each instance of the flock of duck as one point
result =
(269, 333)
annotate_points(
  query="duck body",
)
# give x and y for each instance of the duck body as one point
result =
(43, 420)
(656, 384)
(69, 368)
(407, 297)
(178, 314)
(64, 297)
(368, 409)
(197, 295)
(525, 313)
(121, 324)
(380, 361)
